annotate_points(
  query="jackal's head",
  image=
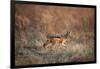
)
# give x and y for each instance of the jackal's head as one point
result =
(67, 34)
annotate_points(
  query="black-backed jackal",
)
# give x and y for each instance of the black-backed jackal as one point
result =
(56, 39)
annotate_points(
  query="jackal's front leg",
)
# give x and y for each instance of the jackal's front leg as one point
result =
(63, 43)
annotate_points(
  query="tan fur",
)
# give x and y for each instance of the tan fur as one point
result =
(54, 41)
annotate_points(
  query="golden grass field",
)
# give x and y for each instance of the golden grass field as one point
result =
(34, 22)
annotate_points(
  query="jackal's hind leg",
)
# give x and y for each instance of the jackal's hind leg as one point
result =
(47, 43)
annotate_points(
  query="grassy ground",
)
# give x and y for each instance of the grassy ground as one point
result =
(34, 22)
(77, 49)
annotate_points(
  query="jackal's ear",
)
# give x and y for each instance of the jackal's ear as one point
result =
(67, 34)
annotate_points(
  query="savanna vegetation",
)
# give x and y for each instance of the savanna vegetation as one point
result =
(34, 22)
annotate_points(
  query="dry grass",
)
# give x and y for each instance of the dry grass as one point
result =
(76, 50)
(36, 21)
